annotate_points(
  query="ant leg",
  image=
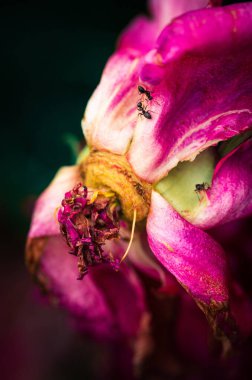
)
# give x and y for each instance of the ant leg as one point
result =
(196, 191)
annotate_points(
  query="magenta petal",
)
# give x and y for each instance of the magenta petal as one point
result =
(111, 114)
(44, 221)
(145, 29)
(141, 34)
(193, 257)
(201, 87)
(230, 196)
(106, 304)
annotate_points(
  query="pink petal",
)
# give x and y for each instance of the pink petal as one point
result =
(111, 114)
(193, 257)
(230, 196)
(141, 34)
(44, 221)
(165, 11)
(105, 304)
(201, 88)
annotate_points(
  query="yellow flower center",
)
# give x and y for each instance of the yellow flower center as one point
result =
(112, 171)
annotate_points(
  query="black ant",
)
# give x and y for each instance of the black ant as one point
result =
(201, 187)
(142, 91)
(143, 110)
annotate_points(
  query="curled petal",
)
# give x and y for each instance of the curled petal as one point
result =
(201, 88)
(194, 258)
(230, 196)
(110, 116)
(44, 221)
(111, 113)
(106, 304)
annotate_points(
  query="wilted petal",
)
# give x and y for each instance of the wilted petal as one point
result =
(106, 304)
(193, 257)
(111, 114)
(44, 220)
(201, 88)
(230, 195)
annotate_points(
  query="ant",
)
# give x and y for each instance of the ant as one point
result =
(142, 91)
(201, 187)
(143, 110)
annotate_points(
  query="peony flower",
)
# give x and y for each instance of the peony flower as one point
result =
(168, 157)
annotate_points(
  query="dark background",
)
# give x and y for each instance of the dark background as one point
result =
(53, 53)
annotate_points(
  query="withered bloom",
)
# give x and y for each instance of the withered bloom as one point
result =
(165, 177)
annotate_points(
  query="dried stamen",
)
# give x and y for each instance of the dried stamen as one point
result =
(87, 219)
(131, 236)
(116, 262)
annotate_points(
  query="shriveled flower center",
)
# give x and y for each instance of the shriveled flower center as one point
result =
(90, 215)
(87, 219)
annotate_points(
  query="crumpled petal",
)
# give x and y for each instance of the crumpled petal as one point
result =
(44, 220)
(230, 195)
(194, 258)
(201, 87)
(106, 304)
(111, 114)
